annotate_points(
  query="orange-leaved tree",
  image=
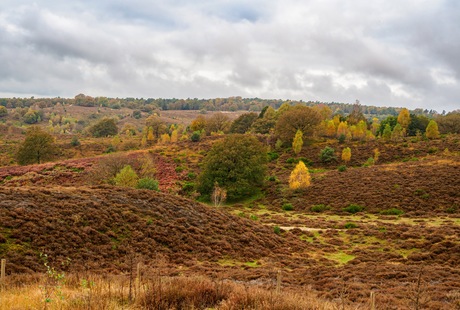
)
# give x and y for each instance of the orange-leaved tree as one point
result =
(300, 177)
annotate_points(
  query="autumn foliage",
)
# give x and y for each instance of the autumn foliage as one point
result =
(300, 177)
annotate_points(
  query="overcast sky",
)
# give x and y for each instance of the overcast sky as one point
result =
(382, 52)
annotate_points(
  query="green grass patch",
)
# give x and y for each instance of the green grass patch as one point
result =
(340, 257)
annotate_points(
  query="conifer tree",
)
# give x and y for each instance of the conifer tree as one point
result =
(298, 142)
(300, 177)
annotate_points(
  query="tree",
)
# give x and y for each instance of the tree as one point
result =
(37, 147)
(157, 126)
(346, 154)
(198, 123)
(342, 129)
(432, 131)
(387, 132)
(237, 163)
(449, 123)
(298, 142)
(243, 123)
(104, 128)
(404, 120)
(327, 155)
(417, 124)
(296, 118)
(3, 111)
(391, 121)
(300, 177)
(127, 177)
(397, 132)
(218, 122)
(356, 115)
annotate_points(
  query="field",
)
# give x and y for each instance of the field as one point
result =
(390, 230)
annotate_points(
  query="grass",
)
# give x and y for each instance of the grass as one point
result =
(340, 257)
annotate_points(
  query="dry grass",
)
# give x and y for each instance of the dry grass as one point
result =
(152, 292)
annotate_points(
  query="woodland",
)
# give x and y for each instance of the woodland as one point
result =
(227, 203)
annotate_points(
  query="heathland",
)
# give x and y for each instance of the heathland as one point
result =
(126, 204)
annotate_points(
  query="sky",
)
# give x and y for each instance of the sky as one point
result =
(380, 52)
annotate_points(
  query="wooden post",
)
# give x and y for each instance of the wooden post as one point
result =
(2, 274)
(372, 300)
(278, 281)
(138, 280)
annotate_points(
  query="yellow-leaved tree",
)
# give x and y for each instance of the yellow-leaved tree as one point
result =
(432, 131)
(346, 154)
(300, 177)
(297, 143)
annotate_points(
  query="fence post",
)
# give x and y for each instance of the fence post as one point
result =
(372, 300)
(2, 274)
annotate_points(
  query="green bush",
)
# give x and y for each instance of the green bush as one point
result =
(306, 161)
(277, 230)
(196, 136)
(342, 168)
(342, 138)
(392, 211)
(327, 155)
(291, 160)
(350, 225)
(320, 208)
(288, 207)
(272, 178)
(148, 183)
(188, 187)
(126, 177)
(353, 208)
(272, 156)
(75, 141)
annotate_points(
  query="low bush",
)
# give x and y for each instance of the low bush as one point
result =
(288, 207)
(320, 208)
(392, 211)
(277, 230)
(342, 168)
(147, 183)
(327, 155)
(353, 208)
(350, 225)
(272, 156)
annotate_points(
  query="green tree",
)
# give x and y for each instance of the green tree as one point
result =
(432, 131)
(104, 128)
(298, 142)
(37, 147)
(387, 132)
(243, 123)
(127, 177)
(3, 111)
(327, 155)
(296, 118)
(237, 163)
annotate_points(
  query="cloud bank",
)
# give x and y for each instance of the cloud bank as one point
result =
(385, 53)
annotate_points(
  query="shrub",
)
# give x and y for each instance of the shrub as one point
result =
(272, 156)
(277, 230)
(353, 208)
(148, 183)
(392, 211)
(103, 128)
(342, 138)
(195, 137)
(75, 141)
(306, 161)
(291, 160)
(320, 208)
(342, 168)
(127, 177)
(350, 225)
(288, 207)
(272, 178)
(327, 155)
(369, 162)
